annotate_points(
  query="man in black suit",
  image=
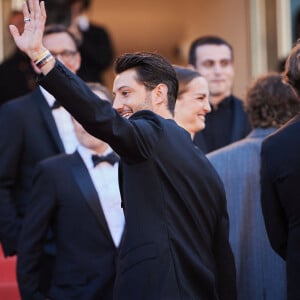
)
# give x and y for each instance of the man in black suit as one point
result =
(280, 178)
(30, 132)
(227, 122)
(175, 243)
(96, 48)
(80, 200)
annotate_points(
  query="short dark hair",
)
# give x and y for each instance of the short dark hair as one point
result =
(206, 40)
(291, 74)
(152, 69)
(270, 102)
(184, 77)
(59, 28)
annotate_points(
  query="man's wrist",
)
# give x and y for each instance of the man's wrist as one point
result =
(36, 54)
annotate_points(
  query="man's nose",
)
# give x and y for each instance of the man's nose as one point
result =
(117, 104)
(207, 107)
(217, 68)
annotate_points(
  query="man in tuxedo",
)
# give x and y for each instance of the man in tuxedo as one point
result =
(175, 243)
(77, 195)
(280, 177)
(227, 122)
(31, 131)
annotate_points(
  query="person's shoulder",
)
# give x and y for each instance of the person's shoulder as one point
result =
(237, 102)
(285, 133)
(22, 103)
(146, 115)
(229, 151)
(96, 27)
(236, 99)
(95, 31)
(55, 162)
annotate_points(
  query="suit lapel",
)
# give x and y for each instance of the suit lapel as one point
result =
(47, 116)
(85, 183)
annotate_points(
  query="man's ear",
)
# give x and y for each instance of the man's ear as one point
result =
(160, 93)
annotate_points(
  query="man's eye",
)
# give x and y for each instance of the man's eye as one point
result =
(225, 62)
(208, 64)
(125, 93)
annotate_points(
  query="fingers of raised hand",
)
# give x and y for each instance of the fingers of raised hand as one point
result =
(34, 10)
(26, 13)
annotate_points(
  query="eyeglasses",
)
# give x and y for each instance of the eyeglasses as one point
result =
(65, 54)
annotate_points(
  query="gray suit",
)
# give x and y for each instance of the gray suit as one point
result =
(260, 272)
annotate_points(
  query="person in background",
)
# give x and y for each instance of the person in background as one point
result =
(17, 76)
(58, 13)
(77, 195)
(192, 103)
(280, 189)
(96, 48)
(32, 128)
(260, 271)
(175, 243)
(227, 122)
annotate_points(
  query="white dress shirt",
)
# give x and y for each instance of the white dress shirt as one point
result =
(64, 124)
(105, 179)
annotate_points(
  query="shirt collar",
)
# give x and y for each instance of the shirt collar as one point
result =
(49, 98)
(86, 154)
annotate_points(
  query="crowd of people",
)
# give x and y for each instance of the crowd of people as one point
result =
(168, 188)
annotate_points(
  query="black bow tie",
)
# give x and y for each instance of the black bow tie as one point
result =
(56, 105)
(111, 158)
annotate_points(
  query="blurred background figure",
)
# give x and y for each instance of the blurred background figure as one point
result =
(96, 47)
(17, 76)
(58, 12)
(260, 271)
(192, 103)
(227, 122)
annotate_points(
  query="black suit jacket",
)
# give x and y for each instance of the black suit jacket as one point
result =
(238, 128)
(28, 134)
(175, 244)
(65, 198)
(280, 189)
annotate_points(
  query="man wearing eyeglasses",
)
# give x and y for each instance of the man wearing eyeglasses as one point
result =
(33, 128)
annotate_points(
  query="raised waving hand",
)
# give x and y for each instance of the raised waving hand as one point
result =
(30, 41)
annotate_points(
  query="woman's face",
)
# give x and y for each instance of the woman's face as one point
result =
(193, 105)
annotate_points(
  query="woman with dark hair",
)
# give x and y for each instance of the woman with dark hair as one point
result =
(192, 100)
